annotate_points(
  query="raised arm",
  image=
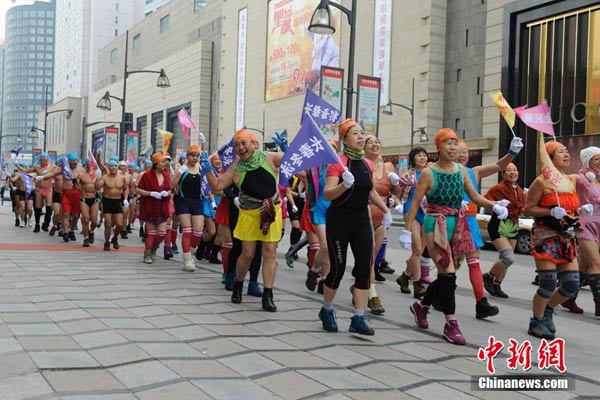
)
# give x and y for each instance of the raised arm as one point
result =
(472, 193)
(23, 169)
(484, 171)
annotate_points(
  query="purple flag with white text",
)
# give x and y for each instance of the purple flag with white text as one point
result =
(66, 170)
(227, 154)
(28, 182)
(321, 111)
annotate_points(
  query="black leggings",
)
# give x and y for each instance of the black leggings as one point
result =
(236, 250)
(356, 232)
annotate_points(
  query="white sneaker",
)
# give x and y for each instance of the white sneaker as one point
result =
(30, 224)
(188, 263)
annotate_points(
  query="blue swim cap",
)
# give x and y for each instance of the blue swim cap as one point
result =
(183, 155)
(72, 156)
(148, 162)
(79, 164)
(85, 161)
(44, 154)
(137, 167)
(113, 163)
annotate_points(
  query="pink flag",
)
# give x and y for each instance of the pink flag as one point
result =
(537, 117)
(186, 122)
(92, 165)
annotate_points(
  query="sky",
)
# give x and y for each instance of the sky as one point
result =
(4, 6)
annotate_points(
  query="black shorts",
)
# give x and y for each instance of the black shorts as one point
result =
(21, 194)
(111, 206)
(493, 229)
(89, 202)
(296, 216)
(55, 197)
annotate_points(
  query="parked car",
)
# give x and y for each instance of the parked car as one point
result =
(523, 235)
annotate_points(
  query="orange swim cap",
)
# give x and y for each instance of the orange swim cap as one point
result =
(193, 149)
(214, 156)
(463, 145)
(244, 134)
(345, 126)
(552, 146)
(444, 135)
(157, 157)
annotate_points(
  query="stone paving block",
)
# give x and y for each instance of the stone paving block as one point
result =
(99, 396)
(342, 379)
(243, 317)
(82, 380)
(342, 337)
(218, 347)
(341, 356)
(184, 309)
(146, 335)
(167, 321)
(389, 375)
(200, 369)
(9, 345)
(302, 340)
(208, 319)
(63, 359)
(291, 385)
(165, 301)
(16, 364)
(126, 323)
(468, 366)
(56, 305)
(169, 350)
(438, 391)
(298, 359)
(221, 308)
(23, 318)
(98, 339)
(147, 311)
(233, 330)
(4, 331)
(24, 386)
(381, 353)
(193, 332)
(35, 329)
(271, 327)
(431, 370)
(30, 343)
(420, 351)
(233, 389)
(179, 391)
(86, 325)
(465, 387)
(18, 307)
(250, 364)
(110, 313)
(68, 315)
(259, 343)
(121, 354)
(378, 395)
(131, 302)
(442, 345)
(42, 298)
(337, 396)
(144, 373)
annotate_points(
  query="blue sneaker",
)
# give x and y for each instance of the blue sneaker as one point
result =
(327, 317)
(174, 249)
(254, 289)
(548, 321)
(358, 324)
(223, 278)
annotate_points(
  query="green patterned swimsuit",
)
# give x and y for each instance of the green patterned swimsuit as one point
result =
(448, 189)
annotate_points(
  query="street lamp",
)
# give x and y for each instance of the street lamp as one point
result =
(320, 23)
(387, 110)
(104, 102)
(33, 133)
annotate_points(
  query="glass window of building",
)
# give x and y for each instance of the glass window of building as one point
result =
(199, 5)
(164, 24)
(137, 41)
(114, 55)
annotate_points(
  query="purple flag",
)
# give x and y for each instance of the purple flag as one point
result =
(29, 186)
(226, 154)
(66, 170)
(17, 151)
(321, 111)
(308, 149)
(99, 142)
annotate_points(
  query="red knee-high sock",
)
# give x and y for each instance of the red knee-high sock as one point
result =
(475, 277)
(150, 239)
(312, 252)
(186, 239)
(196, 238)
(174, 236)
(159, 238)
(225, 255)
(168, 237)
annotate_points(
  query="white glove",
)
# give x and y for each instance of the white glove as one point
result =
(500, 211)
(525, 191)
(515, 146)
(164, 193)
(236, 201)
(503, 202)
(394, 178)
(405, 239)
(14, 189)
(294, 209)
(391, 202)
(558, 212)
(400, 208)
(183, 169)
(302, 195)
(347, 178)
(586, 210)
(39, 178)
(156, 195)
(213, 205)
(464, 205)
(387, 220)
(126, 203)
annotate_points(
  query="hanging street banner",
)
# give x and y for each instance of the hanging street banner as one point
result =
(295, 55)
(240, 92)
(382, 37)
(110, 142)
(367, 104)
(331, 90)
(36, 156)
(132, 146)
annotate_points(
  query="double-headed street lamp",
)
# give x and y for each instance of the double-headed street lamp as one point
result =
(320, 23)
(387, 110)
(104, 102)
(33, 133)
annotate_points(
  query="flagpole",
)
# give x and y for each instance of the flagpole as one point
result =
(319, 129)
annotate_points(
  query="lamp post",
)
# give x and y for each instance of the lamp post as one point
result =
(33, 133)
(387, 110)
(320, 23)
(104, 102)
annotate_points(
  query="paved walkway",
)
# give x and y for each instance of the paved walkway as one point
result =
(85, 324)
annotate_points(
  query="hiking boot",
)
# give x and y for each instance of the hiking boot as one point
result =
(488, 284)
(129, 229)
(499, 292)
(327, 318)
(72, 236)
(174, 249)
(385, 268)
(311, 280)
(91, 238)
(45, 227)
(419, 290)
(320, 286)
(107, 246)
(267, 301)
(572, 306)
(61, 233)
(86, 243)
(36, 229)
(52, 231)
(17, 222)
(378, 276)
(115, 243)
(167, 253)
(254, 289)
(148, 257)
(420, 311)
(538, 328)
(65, 237)
(124, 235)
(403, 280)
(289, 261)
(483, 309)
(549, 320)
(375, 305)
(358, 324)
(236, 295)
(452, 333)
